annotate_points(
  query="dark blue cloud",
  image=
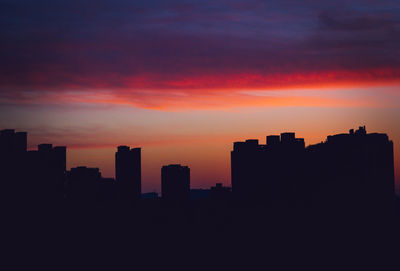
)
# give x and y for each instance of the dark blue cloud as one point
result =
(53, 42)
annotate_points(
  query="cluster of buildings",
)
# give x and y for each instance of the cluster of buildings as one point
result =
(351, 169)
(41, 176)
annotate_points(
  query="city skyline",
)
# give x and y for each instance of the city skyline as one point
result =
(186, 133)
(128, 165)
(343, 187)
(184, 79)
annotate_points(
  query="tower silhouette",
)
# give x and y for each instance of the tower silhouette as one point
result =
(128, 173)
(175, 183)
(346, 173)
(47, 169)
(83, 186)
(13, 170)
(267, 173)
(353, 170)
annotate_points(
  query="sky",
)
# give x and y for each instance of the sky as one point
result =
(185, 79)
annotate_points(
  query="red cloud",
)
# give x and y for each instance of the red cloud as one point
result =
(207, 91)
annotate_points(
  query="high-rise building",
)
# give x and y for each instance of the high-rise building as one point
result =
(128, 173)
(107, 190)
(83, 185)
(12, 153)
(13, 142)
(267, 172)
(175, 183)
(47, 171)
(13, 171)
(354, 169)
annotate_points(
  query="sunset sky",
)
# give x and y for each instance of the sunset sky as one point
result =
(185, 79)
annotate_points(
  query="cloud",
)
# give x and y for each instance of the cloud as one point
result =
(355, 21)
(131, 50)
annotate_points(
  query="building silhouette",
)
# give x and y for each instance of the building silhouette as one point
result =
(199, 194)
(12, 142)
(13, 170)
(150, 195)
(220, 192)
(12, 149)
(267, 173)
(347, 171)
(47, 169)
(353, 170)
(107, 190)
(175, 183)
(12, 164)
(128, 173)
(83, 185)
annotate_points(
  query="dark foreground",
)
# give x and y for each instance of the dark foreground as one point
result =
(200, 234)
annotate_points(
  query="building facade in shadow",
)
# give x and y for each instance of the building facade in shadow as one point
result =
(267, 173)
(175, 183)
(347, 173)
(13, 165)
(47, 173)
(107, 191)
(128, 173)
(220, 192)
(83, 186)
(353, 171)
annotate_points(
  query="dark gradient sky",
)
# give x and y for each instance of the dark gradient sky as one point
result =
(184, 79)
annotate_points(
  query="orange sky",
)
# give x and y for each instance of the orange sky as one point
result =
(202, 136)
